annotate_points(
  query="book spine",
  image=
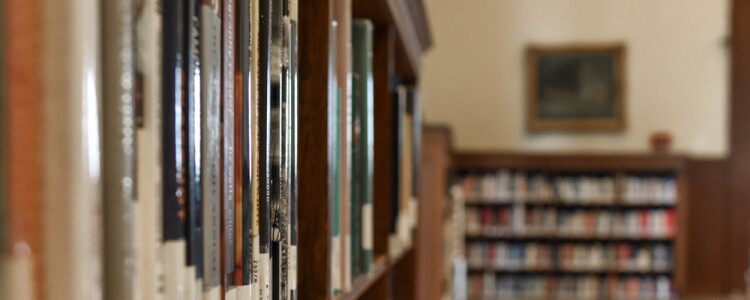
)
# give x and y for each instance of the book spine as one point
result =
(256, 145)
(416, 132)
(192, 65)
(264, 137)
(293, 194)
(231, 177)
(24, 108)
(362, 149)
(243, 92)
(396, 205)
(4, 145)
(118, 161)
(343, 73)
(334, 169)
(71, 146)
(356, 153)
(368, 148)
(173, 158)
(232, 99)
(210, 50)
(280, 147)
(149, 168)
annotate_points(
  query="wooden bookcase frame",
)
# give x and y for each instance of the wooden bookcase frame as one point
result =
(401, 36)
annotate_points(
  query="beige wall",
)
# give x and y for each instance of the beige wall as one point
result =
(677, 70)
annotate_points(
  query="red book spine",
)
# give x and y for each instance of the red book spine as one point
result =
(671, 222)
(645, 229)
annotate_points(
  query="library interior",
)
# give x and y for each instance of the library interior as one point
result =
(374, 149)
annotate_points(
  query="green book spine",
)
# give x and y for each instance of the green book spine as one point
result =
(362, 159)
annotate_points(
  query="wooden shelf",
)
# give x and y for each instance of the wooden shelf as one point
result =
(556, 271)
(558, 203)
(363, 283)
(409, 20)
(579, 163)
(569, 238)
(380, 268)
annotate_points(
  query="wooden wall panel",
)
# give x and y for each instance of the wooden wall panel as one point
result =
(739, 159)
(707, 262)
(433, 197)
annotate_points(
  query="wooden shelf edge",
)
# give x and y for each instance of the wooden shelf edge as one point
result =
(398, 258)
(380, 268)
(570, 238)
(475, 269)
(364, 282)
(579, 162)
(582, 204)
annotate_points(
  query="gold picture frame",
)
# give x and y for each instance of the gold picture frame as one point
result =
(575, 88)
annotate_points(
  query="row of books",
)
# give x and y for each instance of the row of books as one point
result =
(508, 186)
(154, 149)
(570, 257)
(352, 133)
(161, 136)
(492, 286)
(530, 221)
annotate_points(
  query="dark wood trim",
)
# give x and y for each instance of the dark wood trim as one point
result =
(739, 158)
(385, 141)
(707, 261)
(433, 195)
(568, 162)
(411, 34)
(314, 206)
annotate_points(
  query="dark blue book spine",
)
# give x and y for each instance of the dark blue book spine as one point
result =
(174, 171)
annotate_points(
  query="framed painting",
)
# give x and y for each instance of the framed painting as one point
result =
(576, 88)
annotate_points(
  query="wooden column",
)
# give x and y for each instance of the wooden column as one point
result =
(383, 187)
(739, 158)
(314, 208)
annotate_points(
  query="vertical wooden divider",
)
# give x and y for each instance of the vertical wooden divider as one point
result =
(682, 249)
(383, 68)
(314, 208)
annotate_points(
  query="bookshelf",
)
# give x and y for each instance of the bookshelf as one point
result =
(216, 169)
(573, 224)
(400, 36)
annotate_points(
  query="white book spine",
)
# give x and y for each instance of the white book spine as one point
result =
(149, 169)
(244, 292)
(190, 283)
(214, 293)
(175, 271)
(72, 232)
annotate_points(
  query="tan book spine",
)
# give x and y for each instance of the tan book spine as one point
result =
(118, 151)
(343, 15)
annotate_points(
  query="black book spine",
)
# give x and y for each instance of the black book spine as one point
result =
(293, 195)
(244, 53)
(264, 98)
(193, 147)
(174, 212)
(398, 112)
(278, 225)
